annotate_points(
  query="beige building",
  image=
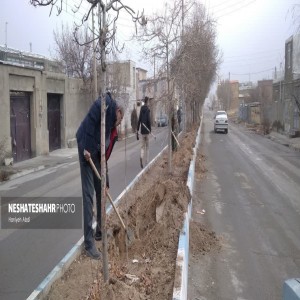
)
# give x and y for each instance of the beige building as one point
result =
(122, 81)
(40, 109)
(156, 91)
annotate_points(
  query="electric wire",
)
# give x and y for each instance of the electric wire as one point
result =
(233, 6)
(252, 73)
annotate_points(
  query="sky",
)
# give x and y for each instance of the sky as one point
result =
(251, 34)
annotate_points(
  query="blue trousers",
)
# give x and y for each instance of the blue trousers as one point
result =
(90, 183)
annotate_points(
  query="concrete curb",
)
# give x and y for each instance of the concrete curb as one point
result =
(26, 172)
(44, 287)
(182, 261)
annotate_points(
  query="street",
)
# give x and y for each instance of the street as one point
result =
(251, 199)
(27, 256)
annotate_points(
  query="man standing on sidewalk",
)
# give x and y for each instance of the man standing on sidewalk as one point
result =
(145, 123)
(88, 140)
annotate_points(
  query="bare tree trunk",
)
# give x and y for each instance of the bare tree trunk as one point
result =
(169, 116)
(95, 94)
(103, 163)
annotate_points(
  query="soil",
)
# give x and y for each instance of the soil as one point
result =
(144, 268)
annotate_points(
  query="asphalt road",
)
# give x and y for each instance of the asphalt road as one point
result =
(27, 256)
(251, 195)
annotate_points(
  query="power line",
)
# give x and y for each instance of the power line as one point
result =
(254, 53)
(220, 4)
(252, 73)
(252, 59)
(240, 8)
(229, 6)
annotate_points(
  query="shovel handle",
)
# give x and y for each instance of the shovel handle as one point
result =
(113, 205)
(108, 195)
(149, 131)
(175, 138)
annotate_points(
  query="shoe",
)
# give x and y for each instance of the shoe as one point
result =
(98, 236)
(93, 253)
(141, 161)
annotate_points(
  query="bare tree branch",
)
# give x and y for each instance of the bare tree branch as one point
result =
(110, 32)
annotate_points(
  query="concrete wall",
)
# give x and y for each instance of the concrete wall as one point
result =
(122, 81)
(74, 104)
(296, 56)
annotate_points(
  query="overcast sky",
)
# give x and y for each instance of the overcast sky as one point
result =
(251, 33)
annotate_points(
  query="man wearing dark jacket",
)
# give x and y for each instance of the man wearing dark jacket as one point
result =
(88, 139)
(145, 123)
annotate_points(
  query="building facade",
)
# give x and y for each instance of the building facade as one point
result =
(121, 80)
(40, 109)
(286, 91)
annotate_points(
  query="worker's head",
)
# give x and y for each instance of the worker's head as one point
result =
(146, 100)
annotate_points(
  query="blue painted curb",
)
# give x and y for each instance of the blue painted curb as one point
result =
(182, 260)
(291, 289)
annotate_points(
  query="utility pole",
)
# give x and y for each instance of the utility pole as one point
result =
(228, 94)
(6, 23)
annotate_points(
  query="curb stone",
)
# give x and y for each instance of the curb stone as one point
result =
(182, 260)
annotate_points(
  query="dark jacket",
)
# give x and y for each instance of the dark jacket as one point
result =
(144, 118)
(88, 134)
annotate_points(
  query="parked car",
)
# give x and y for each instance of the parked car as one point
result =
(221, 121)
(162, 121)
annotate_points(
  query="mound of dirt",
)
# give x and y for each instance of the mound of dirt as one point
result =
(202, 240)
(144, 268)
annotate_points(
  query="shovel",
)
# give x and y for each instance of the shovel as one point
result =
(110, 199)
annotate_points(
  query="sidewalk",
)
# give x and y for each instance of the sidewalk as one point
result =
(54, 158)
(293, 143)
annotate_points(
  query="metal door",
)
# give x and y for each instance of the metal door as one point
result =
(53, 112)
(20, 125)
